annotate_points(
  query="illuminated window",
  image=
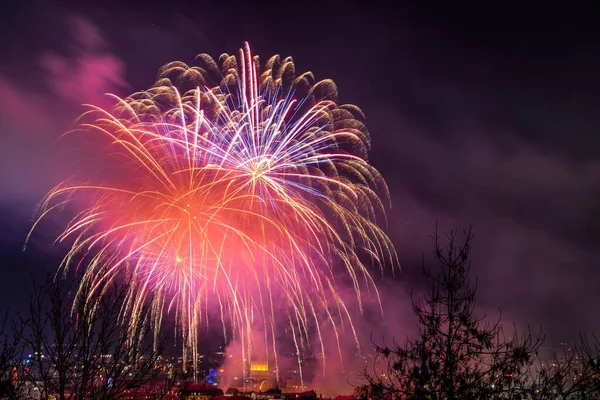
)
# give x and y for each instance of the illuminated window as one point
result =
(259, 367)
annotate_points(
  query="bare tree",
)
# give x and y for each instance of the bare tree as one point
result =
(455, 353)
(573, 374)
(83, 347)
(52, 337)
(11, 354)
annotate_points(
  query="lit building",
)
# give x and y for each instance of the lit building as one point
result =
(260, 377)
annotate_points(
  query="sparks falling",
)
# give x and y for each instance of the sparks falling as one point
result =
(244, 189)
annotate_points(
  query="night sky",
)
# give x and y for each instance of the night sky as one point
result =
(480, 112)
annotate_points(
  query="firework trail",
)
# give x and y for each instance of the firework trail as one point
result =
(241, 187)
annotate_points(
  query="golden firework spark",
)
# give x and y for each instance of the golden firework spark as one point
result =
(244, 186)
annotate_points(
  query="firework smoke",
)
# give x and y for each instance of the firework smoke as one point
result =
(242, 188)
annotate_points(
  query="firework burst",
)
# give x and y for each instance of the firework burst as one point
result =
(242, 185)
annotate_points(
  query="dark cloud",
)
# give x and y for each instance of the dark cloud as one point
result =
(535, 252)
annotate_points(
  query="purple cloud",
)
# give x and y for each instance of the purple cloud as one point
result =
(88, 74)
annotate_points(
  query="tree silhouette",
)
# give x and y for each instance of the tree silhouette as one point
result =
(573, 374)
(11, 352)
(455, 353)
(84, 346)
